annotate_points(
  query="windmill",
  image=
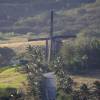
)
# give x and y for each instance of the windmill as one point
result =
(52, 41)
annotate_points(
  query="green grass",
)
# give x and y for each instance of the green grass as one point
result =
(11, 78)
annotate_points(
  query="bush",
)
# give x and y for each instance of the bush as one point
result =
(81, 54)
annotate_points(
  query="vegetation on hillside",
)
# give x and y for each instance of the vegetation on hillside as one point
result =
(74, 58)
(6, 55)
(77, 58)
(84, 18)
(66, 86)
(71, 16)
(33, 62)
(12, 81)
(82, 54)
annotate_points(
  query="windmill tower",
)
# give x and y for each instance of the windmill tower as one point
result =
(51, 41)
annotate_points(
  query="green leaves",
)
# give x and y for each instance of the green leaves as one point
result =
(35, 69)
(64, 82)
(81, 54)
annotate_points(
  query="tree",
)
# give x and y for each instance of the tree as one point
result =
(64, 82)
(81, 54)
(97, 89)
(6, 55)
(35, 69)
(84, 92)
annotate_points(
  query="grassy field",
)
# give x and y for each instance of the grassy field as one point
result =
(20, 47)
(11, 78)
(19, 43)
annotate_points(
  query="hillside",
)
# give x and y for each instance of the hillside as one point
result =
(11, 78)
(71, 16)
(85, 18)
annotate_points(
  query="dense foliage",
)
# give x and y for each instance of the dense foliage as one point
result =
(34, 65)
(81, 54)
(66, 89)
(73, 16)
(64, 82)
(6, 55)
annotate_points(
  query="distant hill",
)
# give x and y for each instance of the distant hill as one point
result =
(45, 1)
(71, 16)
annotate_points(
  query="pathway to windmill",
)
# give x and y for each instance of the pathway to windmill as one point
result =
(48, 87)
